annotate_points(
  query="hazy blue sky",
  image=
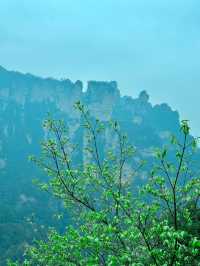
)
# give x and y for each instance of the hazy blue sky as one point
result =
(143, 44)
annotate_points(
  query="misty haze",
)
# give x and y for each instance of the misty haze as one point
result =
(99, 127)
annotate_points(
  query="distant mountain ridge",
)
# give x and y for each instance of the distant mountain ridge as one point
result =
(25, 101)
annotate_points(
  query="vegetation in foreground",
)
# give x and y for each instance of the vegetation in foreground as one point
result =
(112, 223)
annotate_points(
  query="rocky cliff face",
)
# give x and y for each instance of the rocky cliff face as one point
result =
(25, 101)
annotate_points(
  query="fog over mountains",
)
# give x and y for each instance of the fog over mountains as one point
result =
(25, 101)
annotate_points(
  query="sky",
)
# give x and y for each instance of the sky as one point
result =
(142, 44)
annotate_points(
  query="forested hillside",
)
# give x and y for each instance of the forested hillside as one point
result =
(25, 101)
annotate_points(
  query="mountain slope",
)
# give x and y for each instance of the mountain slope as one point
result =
(25, 101)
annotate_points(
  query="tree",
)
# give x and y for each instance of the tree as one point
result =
(114, 225)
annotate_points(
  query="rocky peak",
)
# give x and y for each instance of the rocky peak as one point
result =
(143, 96)
(97, 91)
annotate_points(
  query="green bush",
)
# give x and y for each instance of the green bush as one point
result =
(112, 224)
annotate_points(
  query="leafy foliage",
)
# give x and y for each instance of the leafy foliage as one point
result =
(112, 224)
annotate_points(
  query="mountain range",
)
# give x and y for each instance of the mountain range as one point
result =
(25, 101)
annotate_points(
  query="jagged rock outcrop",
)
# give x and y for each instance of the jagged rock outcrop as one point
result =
(25, 101)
